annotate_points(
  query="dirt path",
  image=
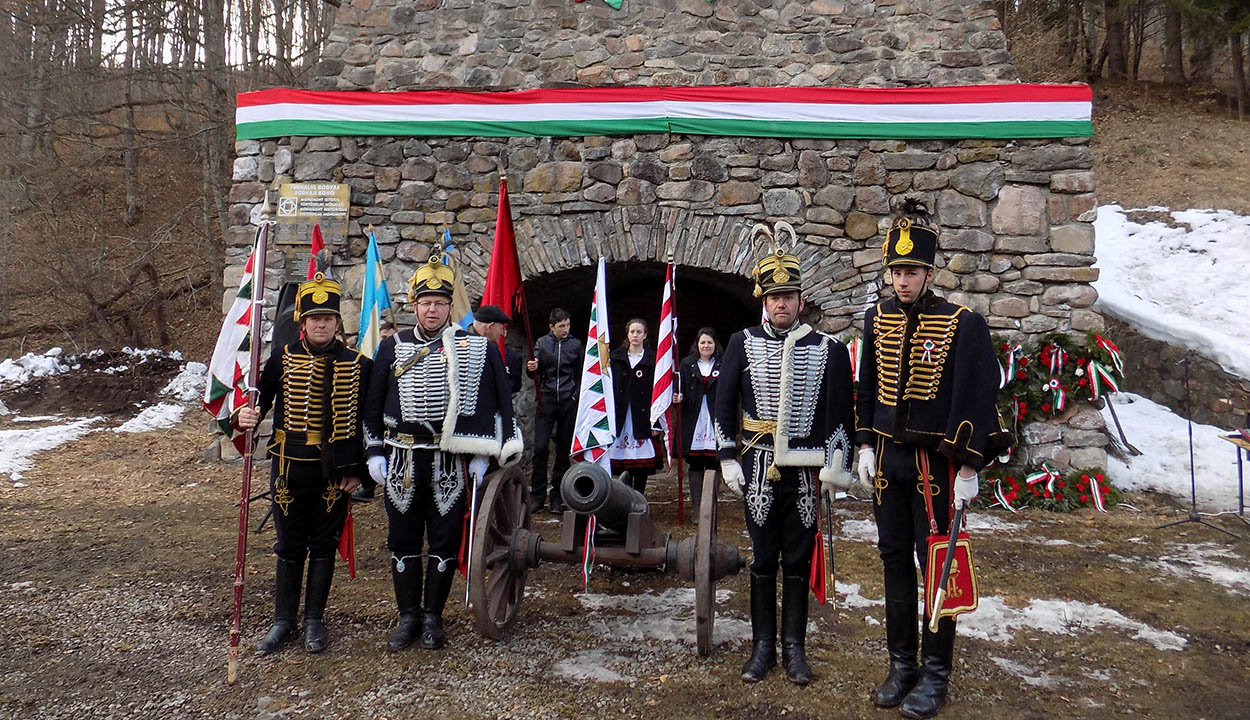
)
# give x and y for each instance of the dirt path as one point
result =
(114, 602)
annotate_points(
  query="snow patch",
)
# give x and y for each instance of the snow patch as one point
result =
(17, 447)
(997, 622)
(1025, 673)
(1163, 438)
(1154, 277)
(865, 530)
(35, 418)
(189, 384)
(853, 598)
(664, 617)
(30, 365)
(1197, 560)
(153, 418)
(593, 665)
(859, 531)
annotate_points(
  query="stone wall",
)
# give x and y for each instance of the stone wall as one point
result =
(1151, 369)
(1015, 215)
(509, 44)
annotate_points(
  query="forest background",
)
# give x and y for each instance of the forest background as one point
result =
(116, 138)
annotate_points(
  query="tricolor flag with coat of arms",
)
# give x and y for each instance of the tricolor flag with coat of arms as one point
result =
(595, 429)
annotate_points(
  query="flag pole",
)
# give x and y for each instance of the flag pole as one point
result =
(677, 436)
(253, 374)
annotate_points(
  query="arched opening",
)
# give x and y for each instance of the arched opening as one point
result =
(704, 297)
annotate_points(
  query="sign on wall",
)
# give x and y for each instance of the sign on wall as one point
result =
(302, 205)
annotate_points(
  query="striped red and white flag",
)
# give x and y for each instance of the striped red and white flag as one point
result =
(663, 384)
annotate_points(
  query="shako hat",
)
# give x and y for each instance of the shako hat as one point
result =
(319, 296)
(432, 278)
(778, 271)
(912, 239)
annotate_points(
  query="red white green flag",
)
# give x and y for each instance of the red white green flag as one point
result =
(595, 429)
(955, 112)
(227, 371)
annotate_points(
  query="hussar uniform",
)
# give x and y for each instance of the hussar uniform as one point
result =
(434, 402)
(794, 389)
(316, 397)
(928, 384)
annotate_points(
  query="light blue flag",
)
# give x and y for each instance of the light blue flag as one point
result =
(374, 298)
(461, 311)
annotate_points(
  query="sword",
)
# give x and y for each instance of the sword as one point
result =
(468, 570)
(829, 584)
(946, 569)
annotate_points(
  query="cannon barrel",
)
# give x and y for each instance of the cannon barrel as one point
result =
(588, 489)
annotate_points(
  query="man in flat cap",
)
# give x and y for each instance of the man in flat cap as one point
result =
(491, 322)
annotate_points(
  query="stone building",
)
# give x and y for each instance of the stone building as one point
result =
(1016, 213)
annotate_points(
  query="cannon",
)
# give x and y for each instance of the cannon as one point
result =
(504, 547)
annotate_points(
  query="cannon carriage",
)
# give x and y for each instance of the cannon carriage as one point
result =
(504, 547)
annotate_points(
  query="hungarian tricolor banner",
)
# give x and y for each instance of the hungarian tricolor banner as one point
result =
(960, 112)
(595, 429)
(227, 371)
(662, 382)
(503, 278)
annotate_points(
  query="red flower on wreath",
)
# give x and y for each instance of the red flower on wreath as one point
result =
(1100, 478)
(1083, 382)
(1081, 362)
(1020, 374)
(1084, 498)
(1060, 484)
(1005, 347)
(1058, 497)
(1046, 494)
(1024, 361)
(1045, 407)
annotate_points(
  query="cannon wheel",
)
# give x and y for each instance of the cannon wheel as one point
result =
(705, 545)
(496, 582)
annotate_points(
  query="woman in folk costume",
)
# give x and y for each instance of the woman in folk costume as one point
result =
(928, 384)
(699, 372)
(637, 449)
(315, 387)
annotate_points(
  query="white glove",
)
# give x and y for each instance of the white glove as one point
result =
(477, 470)
(966, 489)
(731, 470)
(867, 467)
(377, 468)
(834, 479)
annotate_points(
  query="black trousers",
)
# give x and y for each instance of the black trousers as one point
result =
(408, 529)
(781, 516)
(308, 510)
(558, 418)
(899, 507)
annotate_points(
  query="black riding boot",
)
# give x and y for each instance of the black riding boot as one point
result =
(900, 640)
(937, 653)
(287, 579)
(320, 575)
(763, 628)
(407, 582)
(794, 630)
(437, 588)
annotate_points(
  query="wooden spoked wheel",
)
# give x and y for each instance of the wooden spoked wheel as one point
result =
(497, 577)
(704, 556)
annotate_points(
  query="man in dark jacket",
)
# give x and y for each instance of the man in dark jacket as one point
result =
(558, 362)
(491, 322)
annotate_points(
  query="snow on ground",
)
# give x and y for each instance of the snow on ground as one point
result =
(1197, 560)
(865, 530)
(593, 665)
(1167, 281)
(17, 447)
(153, 418)
(664, 617)
(1028, 675)
(189, 384)
(853, 598)
(30, 365)
(997, 622)
(1163, 437)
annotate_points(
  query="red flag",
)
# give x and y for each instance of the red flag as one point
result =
(503, 278)
(317, 246)
(347, 541)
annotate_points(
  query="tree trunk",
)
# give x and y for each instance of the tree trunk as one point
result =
(130, 152)
(215, 140)
(1236, 59)
(1201, 59)
(1114, 42)
(1173, 49)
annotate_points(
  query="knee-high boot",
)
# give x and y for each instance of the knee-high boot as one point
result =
(763, 628)
(287, 580)
(901, 641)
(437, 588)
(794, 630)
(407, 580)
(937, 652)
(320, 575)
